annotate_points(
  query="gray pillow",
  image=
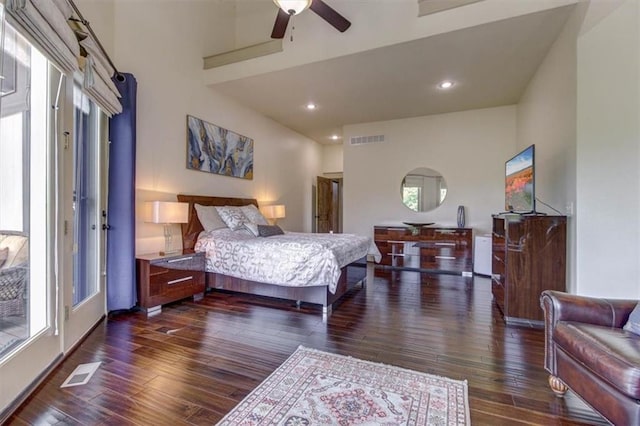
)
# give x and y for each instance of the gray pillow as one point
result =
(253, 214)
(232, 216)
(252, 227)
(209, 217)
(269, 230)
(633, 323)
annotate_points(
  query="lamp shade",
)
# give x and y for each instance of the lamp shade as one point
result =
(166, 212)
(276, 211)
(293, 6)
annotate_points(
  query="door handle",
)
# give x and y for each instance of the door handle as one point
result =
(105, 227)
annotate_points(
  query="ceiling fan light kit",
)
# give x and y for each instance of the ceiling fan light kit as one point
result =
(288, 8)
(293, 7)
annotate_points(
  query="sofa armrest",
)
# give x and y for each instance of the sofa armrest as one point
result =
(560, 306)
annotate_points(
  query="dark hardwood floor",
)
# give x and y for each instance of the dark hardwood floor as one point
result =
(196, 360)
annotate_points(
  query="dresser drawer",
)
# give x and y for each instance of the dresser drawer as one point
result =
(193, 262)
(461, 236)
(171, 281)
(444, 262)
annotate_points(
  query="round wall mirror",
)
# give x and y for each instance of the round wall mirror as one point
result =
(423, 189)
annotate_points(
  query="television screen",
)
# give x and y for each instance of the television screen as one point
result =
(519, 182)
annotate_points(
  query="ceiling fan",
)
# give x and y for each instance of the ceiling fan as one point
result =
(288, 8)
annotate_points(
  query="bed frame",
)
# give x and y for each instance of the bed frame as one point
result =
(352, 275)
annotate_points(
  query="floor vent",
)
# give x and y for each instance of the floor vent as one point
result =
(81, 375)
(363, 140)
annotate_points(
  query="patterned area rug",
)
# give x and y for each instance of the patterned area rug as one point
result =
(319, 388)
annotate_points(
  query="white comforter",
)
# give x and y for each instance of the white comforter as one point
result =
(292, 259)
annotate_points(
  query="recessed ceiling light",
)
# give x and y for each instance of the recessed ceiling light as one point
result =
(335, 137)
(447, 84)
(311, 106)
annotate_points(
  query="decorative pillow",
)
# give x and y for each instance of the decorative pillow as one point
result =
(209, 218)
(4, 254)
(253, 214)
(18, 253)
(252, 227)
(232, 216)
(269, 230)
(633, 323)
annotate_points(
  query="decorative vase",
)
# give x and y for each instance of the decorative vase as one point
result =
(460, 216)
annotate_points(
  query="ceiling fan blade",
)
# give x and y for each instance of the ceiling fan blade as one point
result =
(280, 26)
(327, 13)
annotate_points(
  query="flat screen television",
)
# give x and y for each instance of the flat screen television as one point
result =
(519, 182)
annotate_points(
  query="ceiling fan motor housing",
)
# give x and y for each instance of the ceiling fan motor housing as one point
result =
(293, 7)
(288, 8)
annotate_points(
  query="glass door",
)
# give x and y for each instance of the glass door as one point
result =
(86, 157)
(29, 338)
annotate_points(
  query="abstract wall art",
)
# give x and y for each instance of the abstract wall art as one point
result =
(212, 149)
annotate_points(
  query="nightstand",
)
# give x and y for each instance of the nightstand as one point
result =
(167, 278)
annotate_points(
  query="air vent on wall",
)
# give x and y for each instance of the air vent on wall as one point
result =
(363, 140)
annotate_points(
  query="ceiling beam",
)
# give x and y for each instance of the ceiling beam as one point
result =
(239, 55)
(427, 7)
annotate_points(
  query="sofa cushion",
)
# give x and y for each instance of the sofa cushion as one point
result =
(4, 254)
(18, 249)
(610, 353)
(633, 323)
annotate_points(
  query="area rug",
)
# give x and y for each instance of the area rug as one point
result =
(319, 388)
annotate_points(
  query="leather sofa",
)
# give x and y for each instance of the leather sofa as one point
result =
(587, 350)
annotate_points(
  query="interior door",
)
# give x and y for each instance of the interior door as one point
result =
(324, 205)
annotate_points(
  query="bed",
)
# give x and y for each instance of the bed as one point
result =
(320, 289)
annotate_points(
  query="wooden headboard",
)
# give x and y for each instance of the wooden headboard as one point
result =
(192, 229)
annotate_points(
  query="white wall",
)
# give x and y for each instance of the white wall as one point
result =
(608, 162)
(332, 159)
(468, 148)
(162, 44)
(547, 118)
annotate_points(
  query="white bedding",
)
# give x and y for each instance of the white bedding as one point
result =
(292, 259)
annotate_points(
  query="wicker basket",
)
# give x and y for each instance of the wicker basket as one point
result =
(13, 286)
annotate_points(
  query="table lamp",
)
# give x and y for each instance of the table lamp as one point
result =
(166, 213)
(274, 212)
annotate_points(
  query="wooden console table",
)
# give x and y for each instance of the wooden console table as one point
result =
(433, 249)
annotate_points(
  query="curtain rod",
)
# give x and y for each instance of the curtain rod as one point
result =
(86, 23)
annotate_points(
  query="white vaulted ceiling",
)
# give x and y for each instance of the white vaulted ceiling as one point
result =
(491, 64)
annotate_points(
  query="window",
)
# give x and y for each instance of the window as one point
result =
(411, 197)
(24, 151)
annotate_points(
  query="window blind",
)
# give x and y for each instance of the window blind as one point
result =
(45, 22)
(97, 81)
(48, 24)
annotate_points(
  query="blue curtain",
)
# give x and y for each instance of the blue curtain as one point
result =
(121, 266)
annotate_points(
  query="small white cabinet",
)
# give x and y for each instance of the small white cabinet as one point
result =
(482, 255)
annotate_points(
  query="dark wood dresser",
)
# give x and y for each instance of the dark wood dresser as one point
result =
(435, 249)
(529, 256)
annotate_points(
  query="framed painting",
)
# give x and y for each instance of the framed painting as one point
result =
(213, 149)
